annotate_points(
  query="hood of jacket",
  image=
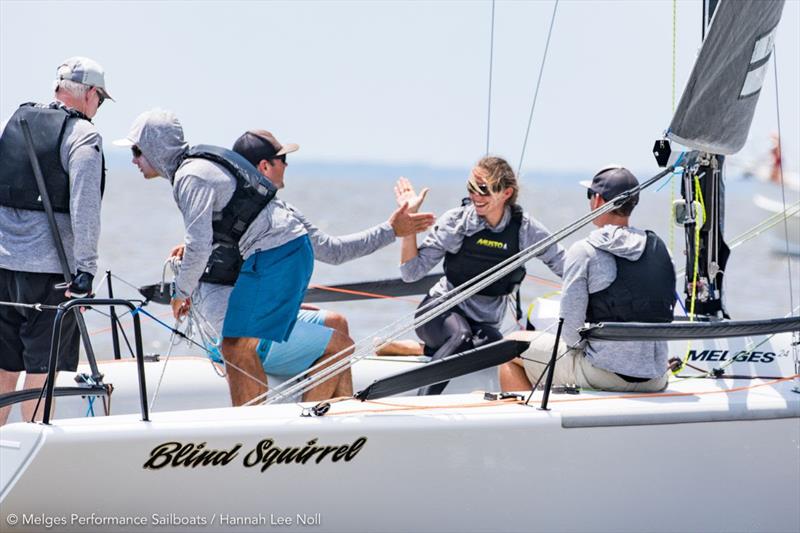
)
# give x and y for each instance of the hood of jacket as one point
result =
(159, 135)
(621, 241)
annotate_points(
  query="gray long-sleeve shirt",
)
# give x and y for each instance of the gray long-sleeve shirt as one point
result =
(200, 189)
(212, 299)
(448, 235)
(589, 268)
(26, 241)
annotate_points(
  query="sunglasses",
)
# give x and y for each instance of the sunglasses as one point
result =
(481, 189)
(281, 158)
(589, 194)
(136, 152)
(100, 97)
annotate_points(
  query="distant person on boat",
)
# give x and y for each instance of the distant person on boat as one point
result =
(617, 274)
(70, 152)
(230, 215)
(318, 334)
(488, 228)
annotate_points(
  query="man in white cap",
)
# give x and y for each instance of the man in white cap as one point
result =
(228, 219)
(70, 153)
(617, 274)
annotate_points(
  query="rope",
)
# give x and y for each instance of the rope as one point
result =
(795, 335)
(489, 99)
(699, 194)
(671, 226)
(538, 84)
(35, 307)
(393, 407)
(363, 293)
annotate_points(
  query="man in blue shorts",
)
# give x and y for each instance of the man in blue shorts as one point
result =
(318, 334)
(273, 251)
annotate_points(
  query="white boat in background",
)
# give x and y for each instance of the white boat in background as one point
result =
(784, 238)
(561, 460)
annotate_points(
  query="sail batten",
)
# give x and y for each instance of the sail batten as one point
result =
(717, 106)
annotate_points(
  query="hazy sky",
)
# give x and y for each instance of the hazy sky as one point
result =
(399, 82)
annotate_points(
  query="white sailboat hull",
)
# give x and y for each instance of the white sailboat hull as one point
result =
(698, 458)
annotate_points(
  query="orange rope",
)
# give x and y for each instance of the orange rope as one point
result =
(397, 407)
(543, 281)
(361, 293)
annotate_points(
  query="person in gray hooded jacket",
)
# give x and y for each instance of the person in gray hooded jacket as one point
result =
(617, 274)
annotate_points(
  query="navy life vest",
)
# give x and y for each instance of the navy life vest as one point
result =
(482, 251)
(643, 291)
(253, 193)
(18, 186)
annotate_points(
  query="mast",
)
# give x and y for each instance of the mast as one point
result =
(712, 120)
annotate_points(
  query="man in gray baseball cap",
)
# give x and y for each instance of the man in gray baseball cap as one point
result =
(70, 153)
(617, 274)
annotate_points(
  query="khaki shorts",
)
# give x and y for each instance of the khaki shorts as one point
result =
(572, 368)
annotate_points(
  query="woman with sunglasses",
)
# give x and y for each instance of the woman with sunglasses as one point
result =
(488, 228)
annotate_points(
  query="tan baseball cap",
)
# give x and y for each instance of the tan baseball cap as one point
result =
(256, 145)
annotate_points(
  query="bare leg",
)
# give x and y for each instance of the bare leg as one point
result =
(513, 377)
(240, 352)
(401, 347)
(8, 383)
(341, 385)
(36, 381)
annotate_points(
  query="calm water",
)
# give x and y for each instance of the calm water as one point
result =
(141, 224)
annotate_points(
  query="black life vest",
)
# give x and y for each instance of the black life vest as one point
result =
(18, 186)
(482, 251)
(643, 291)
(253, 193)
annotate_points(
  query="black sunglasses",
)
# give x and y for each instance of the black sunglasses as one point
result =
(481, 189)
(589, 194)
(135, 151)
(100, 97)
(282, 158)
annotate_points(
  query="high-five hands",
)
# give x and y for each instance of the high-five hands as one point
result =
(404, 192)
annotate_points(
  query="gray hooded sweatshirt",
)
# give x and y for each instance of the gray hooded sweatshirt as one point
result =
(590, 267)
(201, 188)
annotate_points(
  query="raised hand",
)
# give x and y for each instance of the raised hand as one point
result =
(405, 223)
(404, 193)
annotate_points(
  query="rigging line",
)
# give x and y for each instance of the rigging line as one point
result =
(538, 84)
(780, 170)
(129, 284)
(491, 64)
(185, 337)
(428, 312)
(795, 335)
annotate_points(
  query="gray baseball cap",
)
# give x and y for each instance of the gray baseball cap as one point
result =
(86, 71)
(611, 181)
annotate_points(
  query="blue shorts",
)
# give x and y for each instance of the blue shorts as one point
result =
(306, 344)
(268, 292)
